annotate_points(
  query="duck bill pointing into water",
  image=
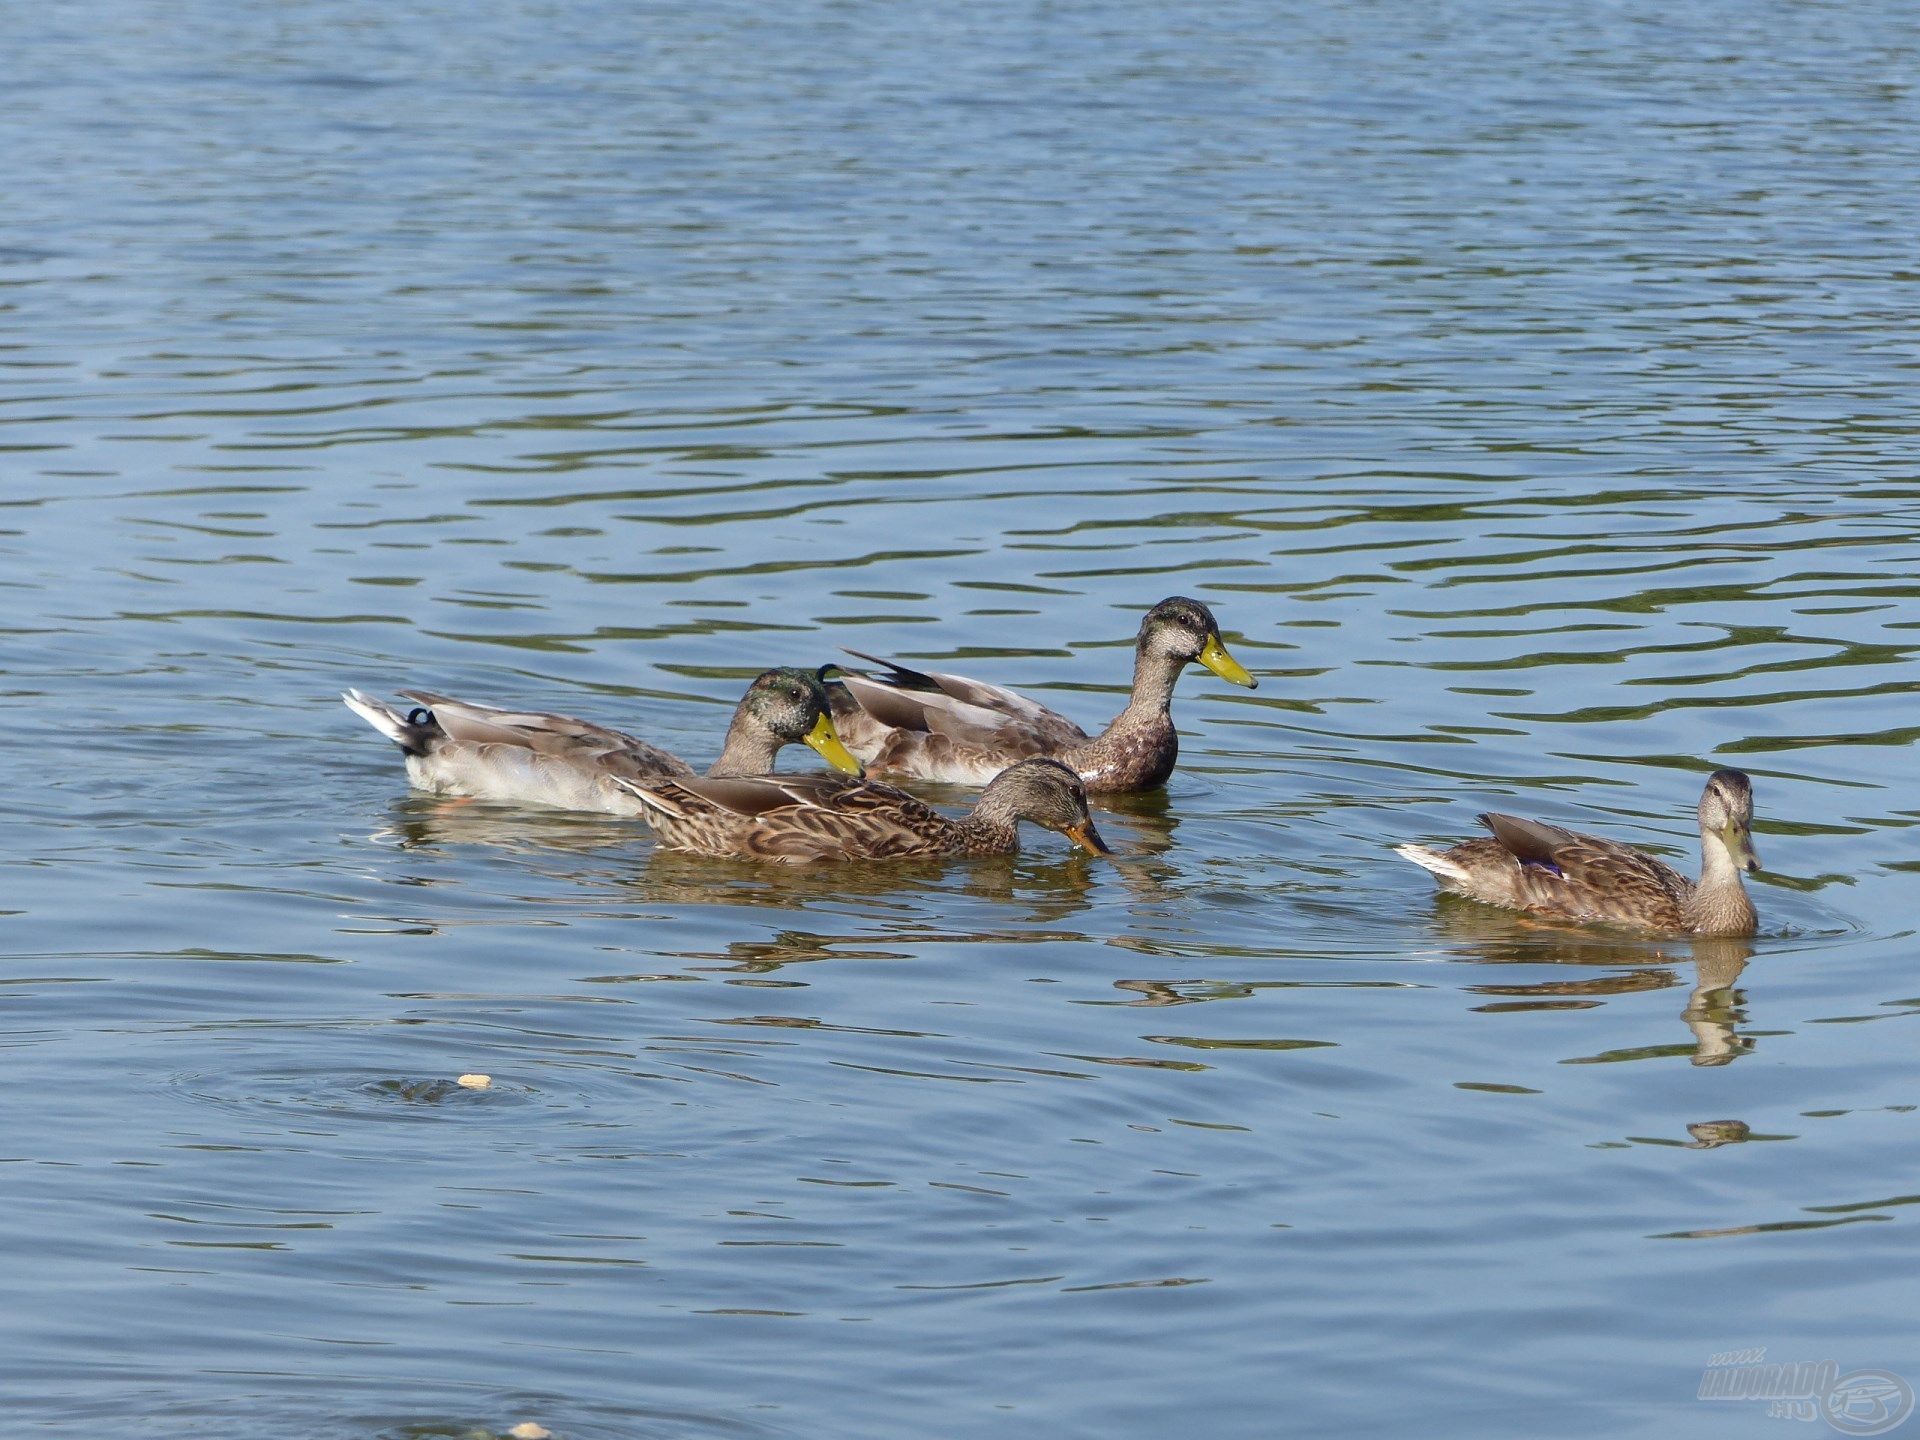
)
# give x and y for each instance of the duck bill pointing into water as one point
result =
(1087, 838)
(792, 819)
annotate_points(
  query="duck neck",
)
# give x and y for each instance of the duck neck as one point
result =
(1154, 676)
(1138, 748)
(749, 749)
(1720, 905)
(992, 828)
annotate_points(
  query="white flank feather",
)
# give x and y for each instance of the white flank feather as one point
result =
(1433, 860)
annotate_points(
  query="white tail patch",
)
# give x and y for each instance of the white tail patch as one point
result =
(1436, 862)
(380, 715)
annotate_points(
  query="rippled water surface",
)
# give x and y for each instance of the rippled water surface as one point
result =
(1528, 388)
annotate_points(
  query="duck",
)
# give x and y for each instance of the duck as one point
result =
(794, 819)
(1561, 875)
(530, 757)
(926, 725)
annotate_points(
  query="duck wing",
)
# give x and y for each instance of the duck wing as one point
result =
(934, 726)
(957, 704)
(790, 817)
(967, 691)
(1584, 877)
(756, 795)
(597, 748)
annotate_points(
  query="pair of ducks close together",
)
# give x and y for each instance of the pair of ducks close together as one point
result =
(1036, 765)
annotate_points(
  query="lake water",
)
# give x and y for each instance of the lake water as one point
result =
(1528, 388)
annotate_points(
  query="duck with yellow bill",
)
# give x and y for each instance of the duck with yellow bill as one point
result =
(529, 757)
(928, 725)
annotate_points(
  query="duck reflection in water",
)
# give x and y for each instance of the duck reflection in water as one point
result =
(1712, 1134)
(870, 914)
(1714, 1008)
(423, 822)
(765, 954)
(882, 911)
(1050, 887)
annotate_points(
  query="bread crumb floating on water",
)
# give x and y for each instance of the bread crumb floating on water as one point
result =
(526, 1429)
(481, 1082)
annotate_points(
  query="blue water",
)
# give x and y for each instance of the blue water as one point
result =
(1527, 388)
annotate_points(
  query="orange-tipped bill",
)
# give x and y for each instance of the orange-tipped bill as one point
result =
(1087, 838)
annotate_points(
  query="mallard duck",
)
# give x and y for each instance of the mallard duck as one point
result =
(1556, 873)
(528, 757)
(792, 819)
(930, 726)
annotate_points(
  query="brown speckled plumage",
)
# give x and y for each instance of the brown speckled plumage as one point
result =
(1559, 874)
(797, 818)
(933, 726)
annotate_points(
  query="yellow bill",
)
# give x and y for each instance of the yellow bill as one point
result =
(824, 738)
(1216, 659)
(1087, 838)
(1740, 846)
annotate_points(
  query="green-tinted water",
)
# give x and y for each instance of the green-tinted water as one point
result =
(1529, 393)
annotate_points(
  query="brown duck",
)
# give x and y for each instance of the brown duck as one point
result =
(791, 819)
(926, 725)
(1544, 870)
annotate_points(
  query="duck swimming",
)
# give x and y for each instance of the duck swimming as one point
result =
(528, 757)
(926, 725)
(792, 819)
(1544, 870)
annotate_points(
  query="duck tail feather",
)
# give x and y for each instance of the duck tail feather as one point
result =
(1428, 859)
(414, 732)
